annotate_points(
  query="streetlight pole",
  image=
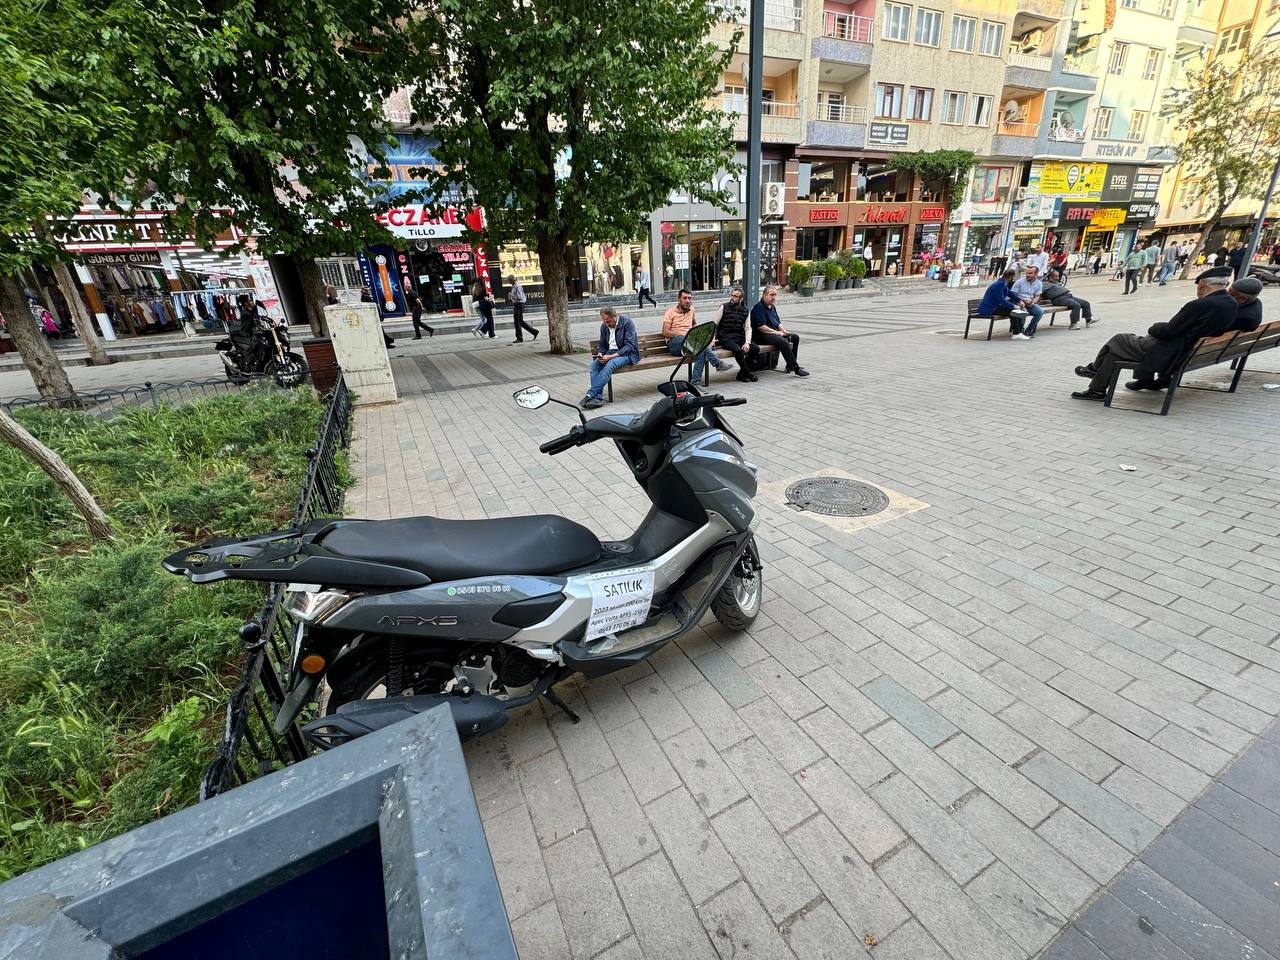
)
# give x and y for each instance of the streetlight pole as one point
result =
(1262, 216)
(755, 69)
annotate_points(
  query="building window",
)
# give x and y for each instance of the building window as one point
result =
(1137, 125)
(980, 110)
(734, 100)
(928, 27)
(919, 103)
(1102, 123)
(1119, 54)
(1151, 69)
(1237, 38)
(1167, 7)
(991, 184)
(897, 22)
(952, 107)
(1129, 4)
(962, 32)
(991, 39)
(831, 106)
(766, 103)
(889, 100)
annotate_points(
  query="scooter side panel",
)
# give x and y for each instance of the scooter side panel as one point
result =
(451, 609)
(717, 471)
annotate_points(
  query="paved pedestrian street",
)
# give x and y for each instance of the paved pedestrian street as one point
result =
(948, 733)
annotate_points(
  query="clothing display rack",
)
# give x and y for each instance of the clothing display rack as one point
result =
(210, 309)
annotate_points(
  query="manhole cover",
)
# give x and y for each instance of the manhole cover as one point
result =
(836, 497)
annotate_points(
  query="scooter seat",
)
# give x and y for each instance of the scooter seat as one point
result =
(457, 549)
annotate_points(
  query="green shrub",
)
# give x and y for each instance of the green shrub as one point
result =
(798, 273)
(832, 270)
(859, 268)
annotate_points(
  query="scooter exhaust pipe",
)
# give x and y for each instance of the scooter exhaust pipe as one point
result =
(474, 715)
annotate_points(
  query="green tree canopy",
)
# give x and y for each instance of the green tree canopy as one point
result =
(570, 121)
(947, 166)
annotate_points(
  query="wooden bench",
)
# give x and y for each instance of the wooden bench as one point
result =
(1237, 346)
(1050, 311)
(654, 353)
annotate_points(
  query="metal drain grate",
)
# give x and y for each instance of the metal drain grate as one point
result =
(836, 497)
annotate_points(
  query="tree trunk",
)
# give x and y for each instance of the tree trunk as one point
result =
(555, 291)
(312, 292)
(1201, 240)
(52, 464)
(41, 362)
(80, 316)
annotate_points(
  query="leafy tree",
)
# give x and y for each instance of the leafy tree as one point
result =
(570, 120)
(267, 110)
(64, 131)
(1232, 122)
(947, 167)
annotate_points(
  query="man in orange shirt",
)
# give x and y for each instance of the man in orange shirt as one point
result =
(677, 322)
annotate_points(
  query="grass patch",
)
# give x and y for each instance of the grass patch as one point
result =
(113, 673)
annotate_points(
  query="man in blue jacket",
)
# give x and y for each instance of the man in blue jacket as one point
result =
(626, 351)
(998, 301)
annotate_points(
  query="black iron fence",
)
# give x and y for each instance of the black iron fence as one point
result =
(251, 709)
(104, 403)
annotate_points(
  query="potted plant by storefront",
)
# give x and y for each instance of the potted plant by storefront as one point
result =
(797, 275)
(835, 275)
(859, 270)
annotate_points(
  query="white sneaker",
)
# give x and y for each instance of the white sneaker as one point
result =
(1019, 336)
(724, 365)
(1074, 326)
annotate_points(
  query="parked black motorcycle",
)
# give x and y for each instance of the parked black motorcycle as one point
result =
(259, 347)
(399, 616)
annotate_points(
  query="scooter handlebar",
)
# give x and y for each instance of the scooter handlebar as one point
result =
(574, 438)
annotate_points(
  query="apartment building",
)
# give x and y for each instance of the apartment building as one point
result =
(1220, 30)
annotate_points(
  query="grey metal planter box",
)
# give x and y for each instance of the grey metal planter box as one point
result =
(371, 851)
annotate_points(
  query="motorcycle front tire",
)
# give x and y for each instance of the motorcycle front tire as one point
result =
(290, 372)
(737, 603)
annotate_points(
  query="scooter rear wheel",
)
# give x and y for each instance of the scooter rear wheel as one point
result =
(738, 602)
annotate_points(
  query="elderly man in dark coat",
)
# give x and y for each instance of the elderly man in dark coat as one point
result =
(1212, 312)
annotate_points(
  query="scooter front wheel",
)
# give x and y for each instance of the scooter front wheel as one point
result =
(289, 372)
(738, 602)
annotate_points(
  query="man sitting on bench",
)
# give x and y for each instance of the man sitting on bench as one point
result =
(1210, 314)
(605, 362)
(998, 302)
(767, 330)
(731, 334)
(677, 322)
(1056, 293)
(1249, 308)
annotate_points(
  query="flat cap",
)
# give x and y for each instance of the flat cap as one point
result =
(1249, 286)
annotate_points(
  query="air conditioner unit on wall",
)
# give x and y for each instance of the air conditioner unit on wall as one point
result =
(1020, 194)
(775, 195)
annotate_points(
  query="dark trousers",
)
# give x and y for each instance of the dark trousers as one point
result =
(788, 346)
(486, 311)
(643, 296)
(741, 351)
(1131, 281)
(1151, 273)
(517, 314)
(418, 325)
(1127, 347)
(1015, 322)
(1077, 306)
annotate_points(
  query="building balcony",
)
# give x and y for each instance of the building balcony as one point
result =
(1067, 149)
(779, 120)
(836, 133)
(778, 14)
(1062, 133)
(1015, 139)
(1162, 154)
(1077, 77)
(845, 39)
(1197, 34)
(1051, 9)
(1028, 70)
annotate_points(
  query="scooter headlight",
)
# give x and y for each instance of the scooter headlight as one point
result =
(315, 607)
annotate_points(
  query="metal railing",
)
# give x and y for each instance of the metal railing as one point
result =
(1081, 67)
(252, 706)
(778, 14)
(1067, 134)
(1019, 129)
(1030, 61)
(841, 112)
(104, 403)
(846, 26)
(737, 104)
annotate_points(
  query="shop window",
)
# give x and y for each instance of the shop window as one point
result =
(889, 100)
(962, 33)
(928, 27)
(919, 103)
(817, 243)
(953, 107)
(823, 182)
(991, 39)
(878, 185)
(897, 22)
(991, 184)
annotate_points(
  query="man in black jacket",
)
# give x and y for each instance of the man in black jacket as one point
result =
(1248, 307)
(1056, 292)
(1210, 314)
(731, 333)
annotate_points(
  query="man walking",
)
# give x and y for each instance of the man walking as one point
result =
(1236, 259)
(642, 288)
(731, 333)
(1151, 259)
(1132, 266)
(767, 328)
(518, 298)
(676, 323)
(415, 309)
(1170, 263)
(1210, 314)
(484, 304)
(1027, 290)
(626, 350)
(1056, 292)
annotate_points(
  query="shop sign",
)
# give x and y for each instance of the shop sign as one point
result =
(455, 254)
(1142, 210)
(1078, 214)
(1041, 208)
(134, 258)
(103, 232)
(709, 226)
(1116, 150)
(1146, 184)
(482, 268)
(682, 256)
(877, 214)
(1082, 180)
(1108, 217)
(824, 215)
(419, 222)
(894, 133)
(931, 214)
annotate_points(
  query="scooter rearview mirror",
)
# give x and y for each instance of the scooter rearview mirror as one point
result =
(698, 339)
(531, 398)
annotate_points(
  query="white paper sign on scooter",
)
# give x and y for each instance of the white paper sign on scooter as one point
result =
(619, 600)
